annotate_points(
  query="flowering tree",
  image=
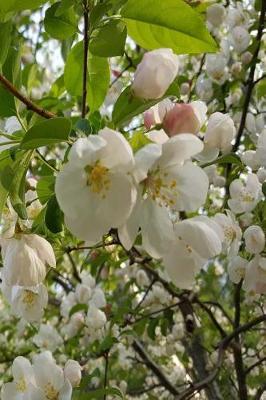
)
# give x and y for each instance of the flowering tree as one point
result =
(132, 184)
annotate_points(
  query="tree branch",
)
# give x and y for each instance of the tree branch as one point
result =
(85, 57)
(137, 346)
(250, 81)
(29, 104)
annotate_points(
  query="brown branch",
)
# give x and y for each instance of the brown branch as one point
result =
(250, 81)
(137, 346)
(29, 104)
(237, 350)
(85, 58)
(222, 347)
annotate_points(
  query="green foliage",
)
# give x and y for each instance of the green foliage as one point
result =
(60, 24)
(47, 133)
(98, 76)
(128, 106)
(172, 24)
(5, 34)
(109, 40)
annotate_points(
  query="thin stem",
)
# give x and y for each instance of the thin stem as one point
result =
(29, 104)
(85, 58)
(106, 357)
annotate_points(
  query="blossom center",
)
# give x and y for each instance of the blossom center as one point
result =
(50, 392)
(160, 188)
(247, 197)
(98, 179)
(21, 385)
(29, 298)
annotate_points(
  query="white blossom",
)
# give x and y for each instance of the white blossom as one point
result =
(72, 372)
(25, 259)
(98, 171)
(244, 196)
(155, 73)
(47, 338)
(254, 239)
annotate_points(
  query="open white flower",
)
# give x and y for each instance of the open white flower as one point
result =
(25, 259)
(72, 372)
(167, 180)
(96, 319)
(237, 269)
(255, 277)
(240, 38)
(216, 14)
(95, 189)
(231, 230)
(47, 338)
(21, 387)
(254, 239)
(220, 132)
(244, 197)
(29, 302)
(155, 73)
(216, 67)
(50, 379)
(196, 240)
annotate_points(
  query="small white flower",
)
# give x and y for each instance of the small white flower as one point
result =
(216, 14)
(50, 380)
(237, 269)
(231, 230)
(197, 240)
(250, 159)
(155, 73)
(167, 180)
(244, 197)
(220, 132)
(95, 189)
(261, 149)
(83, 293)
(98, 298)
(240, 38)
(21, 387)
(254, 239)
(25, 259)
(29, 302)
(47, 338)
(72, 372)
(255, 278)
(96, 319)
(216, 67)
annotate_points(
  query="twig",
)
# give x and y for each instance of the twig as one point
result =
(29, 104)
(85, 57)
(250, 81)
(106, 357)
(137, 346)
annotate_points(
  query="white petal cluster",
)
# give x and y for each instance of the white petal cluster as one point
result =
(244, 196)
(41, 380)
(95, 189)
(196, 240)
(155, 73)
(26, 260)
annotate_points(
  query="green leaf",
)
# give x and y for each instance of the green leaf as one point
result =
(5, 160)
(173, 24)
(98, 81)
(19, 5)
(77, 308)
(138, 140)
(54, 217)
(5, 35)
(11, 70)
(109, 40)
(127, 106)
(45, 188)
(97, 13)
(226, 159)
(73, 70)
(46, 133)
(60, 26)
(98, 76)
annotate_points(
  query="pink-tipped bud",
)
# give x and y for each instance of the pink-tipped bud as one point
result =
(185, 118)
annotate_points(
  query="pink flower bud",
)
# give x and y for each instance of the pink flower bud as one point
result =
(185, 118)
